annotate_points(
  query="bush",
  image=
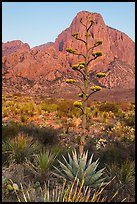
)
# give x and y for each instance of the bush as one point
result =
(129, 118)
(23, 118)
(65, 107)
(122, 133)
(124, 179)
(27, 108)
(106, 107)
(50, 108)
(9, 131)
(19, 148)
(45, 135)
(5, 112)
(46, 106)
(116, 152)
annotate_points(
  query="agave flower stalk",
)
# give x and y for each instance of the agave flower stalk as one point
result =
(83, 69)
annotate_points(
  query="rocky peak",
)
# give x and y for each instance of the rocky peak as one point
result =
(14, 46)
(50, 63)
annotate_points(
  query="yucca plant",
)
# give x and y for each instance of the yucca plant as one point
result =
(125, 178)
(19, 148)
(42, 162)
(79, 166)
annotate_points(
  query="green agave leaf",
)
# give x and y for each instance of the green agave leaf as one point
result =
(91, 169)
(80, 174)
(89, 161)
(68, 165)
(96, 176)
(72, 165)
(66, 170)
(75, 160)
(69, 174)
(59, 174)
(83, 162)
(70, 160)
(99, 182)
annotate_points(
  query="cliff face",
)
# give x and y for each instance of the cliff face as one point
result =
(115, 43)
(47, 65)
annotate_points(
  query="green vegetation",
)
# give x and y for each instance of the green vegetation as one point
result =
(79, 167)
(31, 150)
(48, 143)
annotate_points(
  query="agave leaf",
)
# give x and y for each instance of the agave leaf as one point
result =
(80, 174)
(98, 183)
(68, 165)
(96, 176)
(89, 161)
(83, 161)
(59, 174)
(69, 174)
(75, 161)
(70, 160)
(91, 169)
(66, 170)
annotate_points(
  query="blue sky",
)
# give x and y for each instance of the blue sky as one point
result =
(37, 23)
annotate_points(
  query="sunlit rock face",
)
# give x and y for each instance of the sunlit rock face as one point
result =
(35, 70)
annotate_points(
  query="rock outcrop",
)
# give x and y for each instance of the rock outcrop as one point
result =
(48, 65)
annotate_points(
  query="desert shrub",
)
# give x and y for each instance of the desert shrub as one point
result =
(64, 107)
(19, 148)
(74, 112)
(42, 106)
(23, 118)
(125, 106)
(27, 108)
(95, 112)
(18, 106)
(9, 130)
(48, 135)
(115, 152)
(9, 104)
(113, 107)
(50, 107)
(5, 112)
(16, 111)
(129, 118)
(45, 135)
(108, 126)
(122, 133)
(124, 180)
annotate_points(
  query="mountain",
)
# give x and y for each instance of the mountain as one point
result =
(43, 69)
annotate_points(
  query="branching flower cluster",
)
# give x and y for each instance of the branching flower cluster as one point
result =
(83, 68)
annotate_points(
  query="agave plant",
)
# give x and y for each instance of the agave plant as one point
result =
(79, 166)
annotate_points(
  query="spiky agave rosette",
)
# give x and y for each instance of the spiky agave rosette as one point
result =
(79, 166)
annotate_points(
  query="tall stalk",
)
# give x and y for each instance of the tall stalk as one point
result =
(82, 68)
